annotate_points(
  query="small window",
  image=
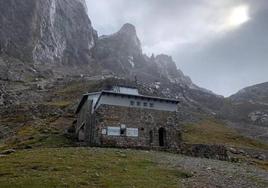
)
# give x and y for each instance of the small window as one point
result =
(138, 103)
(151, 105)
(122, 131)
(132, 103)
(145, 104)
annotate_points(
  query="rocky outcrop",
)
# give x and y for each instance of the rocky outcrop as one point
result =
(121, 53)
(249, 105)
(49, 31)
(218, 152)
(257, 94)
(259, 117)
(168, 68)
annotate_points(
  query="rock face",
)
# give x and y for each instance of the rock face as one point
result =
(46, 38)
(257, 94)
(119, 52)
(259, 117)
(168, 68)
(122, 54)
(49, 31)
(249, 105)
(52, 33)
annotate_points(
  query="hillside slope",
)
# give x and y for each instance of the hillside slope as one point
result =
(247, 111)
(249, 105)
(96, 167)
(253, 94)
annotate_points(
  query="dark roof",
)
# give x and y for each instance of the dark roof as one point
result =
(82, 101)
(104, 92)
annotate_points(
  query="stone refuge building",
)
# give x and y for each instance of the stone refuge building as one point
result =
(121, 117)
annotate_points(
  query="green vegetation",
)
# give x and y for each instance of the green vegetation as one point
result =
(86, 167)
(42, 133)
(215, 132)
(59, 104)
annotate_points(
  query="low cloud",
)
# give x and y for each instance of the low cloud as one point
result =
(198, 34)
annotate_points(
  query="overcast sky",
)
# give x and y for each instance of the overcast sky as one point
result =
(221, 44)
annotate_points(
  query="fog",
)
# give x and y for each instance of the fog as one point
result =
(222, 45)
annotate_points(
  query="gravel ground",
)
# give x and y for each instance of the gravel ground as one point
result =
(209, 173)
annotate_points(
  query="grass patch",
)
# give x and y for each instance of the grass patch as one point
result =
(59, 104)
(85, 167)
(214, 132)
(37, 138)
(40, 133)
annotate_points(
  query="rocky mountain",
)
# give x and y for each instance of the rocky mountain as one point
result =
(256, 94)
(249, 105)
(41, 41)
(53, 38)
(50, 31)
(122, 54)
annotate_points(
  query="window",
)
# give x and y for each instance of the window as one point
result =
(132, 103)
(122, 131)
(145, 104)
(138, 103)
(104, 131)
(151, 105)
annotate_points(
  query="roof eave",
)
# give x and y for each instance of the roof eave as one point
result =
(82, 101)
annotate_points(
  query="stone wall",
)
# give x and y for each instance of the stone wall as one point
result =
(218, 152)
(147, 121)
(84, 122)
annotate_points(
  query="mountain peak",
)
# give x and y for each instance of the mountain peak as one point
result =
(129, 29)
(165, 58)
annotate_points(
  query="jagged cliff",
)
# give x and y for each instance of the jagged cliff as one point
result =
(122, 54)
(253, 94)
(57, 35)
(249, 105)
(46, 31)
(51, 35)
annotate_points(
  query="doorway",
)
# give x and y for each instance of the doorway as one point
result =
(162, 137)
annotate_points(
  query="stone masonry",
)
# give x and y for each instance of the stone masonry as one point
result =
(154, 128)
